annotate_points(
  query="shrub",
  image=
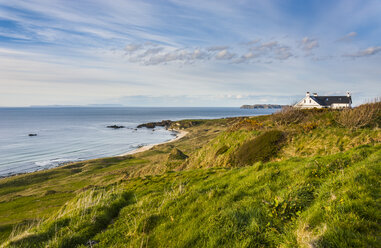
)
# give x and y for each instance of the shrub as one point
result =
(262, 148)
(248, 124)
(361, 116)
(289, 115)
(308, 126)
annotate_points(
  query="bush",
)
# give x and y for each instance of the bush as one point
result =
(361, 116)
(262, 148)
(289, 115)
(308, 126)
(248, 124)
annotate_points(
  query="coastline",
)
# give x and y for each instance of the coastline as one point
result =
(44, 153)
(150, 175)
(180, 134)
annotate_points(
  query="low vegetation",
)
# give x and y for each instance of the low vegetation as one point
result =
(266, 181)
(262, 148)
(290, 115)
(364, 115)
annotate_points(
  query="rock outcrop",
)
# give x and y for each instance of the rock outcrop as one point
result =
(115, 126)
(163, 123)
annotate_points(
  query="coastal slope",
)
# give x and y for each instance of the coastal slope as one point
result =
(298, 178)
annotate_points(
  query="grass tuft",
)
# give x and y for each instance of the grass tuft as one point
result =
(262, 148)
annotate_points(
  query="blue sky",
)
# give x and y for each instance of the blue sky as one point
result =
(187, 53)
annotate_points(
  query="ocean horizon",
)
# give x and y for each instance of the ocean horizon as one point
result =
(69, 134)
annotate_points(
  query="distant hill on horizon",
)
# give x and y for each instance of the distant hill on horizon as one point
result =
(75, 106)
(263, 106)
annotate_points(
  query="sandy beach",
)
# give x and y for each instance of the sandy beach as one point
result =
(180, 134)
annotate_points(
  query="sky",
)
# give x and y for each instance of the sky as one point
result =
(187, 53)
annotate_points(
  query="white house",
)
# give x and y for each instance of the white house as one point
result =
(316, 101)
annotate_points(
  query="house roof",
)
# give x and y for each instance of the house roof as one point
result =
(329, 100)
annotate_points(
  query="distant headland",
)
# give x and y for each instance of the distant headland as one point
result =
(263, 106)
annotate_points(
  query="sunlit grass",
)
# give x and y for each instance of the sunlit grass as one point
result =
(319, 187)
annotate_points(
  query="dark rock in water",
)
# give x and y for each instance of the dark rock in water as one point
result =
(115, 126)
(163, 123)
(177, 154)
(150, 125)
(32, 134)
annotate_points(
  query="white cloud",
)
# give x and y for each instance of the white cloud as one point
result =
(268, 45)
(189, 46)
(348, 36)
(130, 48)
(247, 57)
(364, 53)
(198, 54)
(154, 54)
(283, 53)
(308, 44)
(224, 55)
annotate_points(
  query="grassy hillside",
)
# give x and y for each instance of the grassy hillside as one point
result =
(294, 179)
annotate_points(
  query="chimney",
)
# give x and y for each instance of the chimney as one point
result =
(348, 94)
(308, 93)
(315, 94)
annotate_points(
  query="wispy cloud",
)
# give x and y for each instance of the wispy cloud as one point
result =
(348, 36)
(217, 48)
(267, 45)
(307, 44)
(155, 54)
(283, 53)
(131, 48)
(150, 48)
(364, 53)
(225, 55)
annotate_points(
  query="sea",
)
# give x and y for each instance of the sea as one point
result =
(68, 134)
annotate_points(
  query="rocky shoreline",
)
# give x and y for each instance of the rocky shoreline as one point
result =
(163, 123)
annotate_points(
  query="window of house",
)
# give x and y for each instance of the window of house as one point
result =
(304, 100)
(310, 101)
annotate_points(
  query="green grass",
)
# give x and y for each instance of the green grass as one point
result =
(325, 201)
(34, 196)
(27, 198)
(310, 183)
(262, 148)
